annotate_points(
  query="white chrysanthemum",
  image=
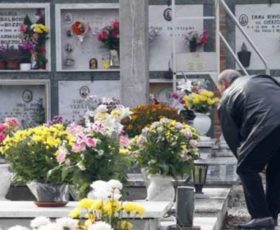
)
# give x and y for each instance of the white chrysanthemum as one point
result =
(51, 226)
(115, 184)
(101, 109)
(67, 223)
(18, 227)
(100, 225)
(39, 221)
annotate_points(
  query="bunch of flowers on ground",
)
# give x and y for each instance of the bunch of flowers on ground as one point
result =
(166, 147)
(95, 152)
(110, 36)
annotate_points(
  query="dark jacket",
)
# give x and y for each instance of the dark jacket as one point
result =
(249, 111)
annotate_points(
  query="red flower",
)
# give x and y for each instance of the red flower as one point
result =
(23, 28)
(102, 36)
(115, 34)
(2, 137)
(116, 25)
(3, 127)
(204, 38)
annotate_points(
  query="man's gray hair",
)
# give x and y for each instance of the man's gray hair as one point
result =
(228, 75)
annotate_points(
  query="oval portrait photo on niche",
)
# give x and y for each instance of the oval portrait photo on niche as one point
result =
(27, 95)
(84, 91)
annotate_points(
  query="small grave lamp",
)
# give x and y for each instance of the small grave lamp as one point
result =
(199, 176)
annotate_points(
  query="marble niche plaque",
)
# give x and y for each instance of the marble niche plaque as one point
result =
(72, 95)
(262, 23)
(161, 45)
(75, 53)
(25, 102)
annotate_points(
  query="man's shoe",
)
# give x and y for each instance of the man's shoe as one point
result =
(259, 223)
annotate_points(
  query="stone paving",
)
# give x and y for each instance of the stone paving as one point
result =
(237, 211)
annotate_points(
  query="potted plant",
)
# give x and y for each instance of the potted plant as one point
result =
(145, 114)
(201, 101)
(32, 154)
(110, 37)
(195, 40)
(166, 149)
(95, 151)
(33, 45)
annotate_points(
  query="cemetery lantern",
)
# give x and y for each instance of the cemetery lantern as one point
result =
(199, 176)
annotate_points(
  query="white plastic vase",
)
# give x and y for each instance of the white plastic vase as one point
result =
(25, 66)
(5, 180)
(160, 188)
(202, 123)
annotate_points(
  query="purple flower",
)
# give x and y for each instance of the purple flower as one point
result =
(26, 46)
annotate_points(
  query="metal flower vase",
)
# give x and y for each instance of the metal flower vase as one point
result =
(49, 195)
(160, 188)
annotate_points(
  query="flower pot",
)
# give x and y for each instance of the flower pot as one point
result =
(49, 195)
(5, 180)
(160, 188)
(2, 64)
(25, 66)
(202, 122)
(13, 64)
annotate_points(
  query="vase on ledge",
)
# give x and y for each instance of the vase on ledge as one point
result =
(49, 195)
(5, 180)
(202, 123)
(160, 188)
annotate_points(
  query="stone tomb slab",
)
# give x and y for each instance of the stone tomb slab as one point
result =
(26, 100)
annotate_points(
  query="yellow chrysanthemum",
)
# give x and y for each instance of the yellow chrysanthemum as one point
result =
(97, 205)
(86, 203)
(75, 213)
(125, 225)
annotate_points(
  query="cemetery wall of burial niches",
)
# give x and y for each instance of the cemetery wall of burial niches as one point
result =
(68, 67)
(261, 21)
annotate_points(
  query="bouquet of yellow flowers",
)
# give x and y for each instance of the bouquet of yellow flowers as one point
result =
(104, 208)
(202, 101)
(31, 152)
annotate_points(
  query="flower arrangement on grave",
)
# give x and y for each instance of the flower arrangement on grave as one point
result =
(105, 208)
(199, 99)
(31, 152)
(195, 40)
(110, 36)
(143, 115)
(166, 147)
(105, 212)
(95, 153)
(33, 45)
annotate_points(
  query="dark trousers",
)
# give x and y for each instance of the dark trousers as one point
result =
(267, 152)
